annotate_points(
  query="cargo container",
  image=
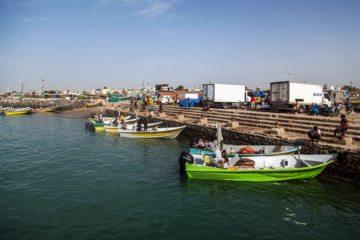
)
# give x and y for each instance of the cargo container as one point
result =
(223, 95)
(297, 96)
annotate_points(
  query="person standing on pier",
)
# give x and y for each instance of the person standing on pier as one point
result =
(145, 124)
(314, 133)
(348, 105)
(136, 104)
(160, 107)
(253, 103)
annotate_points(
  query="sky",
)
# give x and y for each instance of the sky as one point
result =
(87, 44)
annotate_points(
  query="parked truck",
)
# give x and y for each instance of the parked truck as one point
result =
(224, 95)
(297, 96)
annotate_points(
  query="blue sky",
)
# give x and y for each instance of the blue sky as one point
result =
(90, 44)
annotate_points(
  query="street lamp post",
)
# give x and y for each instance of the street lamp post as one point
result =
(43, 86)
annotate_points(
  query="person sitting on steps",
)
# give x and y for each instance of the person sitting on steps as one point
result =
(314, 133)
(344, 126)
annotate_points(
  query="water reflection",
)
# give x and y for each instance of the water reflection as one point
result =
(314, 192)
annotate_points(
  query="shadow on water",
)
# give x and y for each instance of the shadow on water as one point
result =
(314, 192)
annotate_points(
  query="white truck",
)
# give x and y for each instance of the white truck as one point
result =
(297, 96)
(223, 95)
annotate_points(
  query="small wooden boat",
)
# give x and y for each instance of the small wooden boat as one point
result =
(18, 111)
(49, 109)
(113, 129)
(257, 150)
(255, 168)
(48, 95)
(94, 104)
(168, 133)
(97, 126)
(124, 98)
(91, 95)
(107, 120)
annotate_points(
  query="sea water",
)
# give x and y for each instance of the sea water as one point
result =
(59, 180)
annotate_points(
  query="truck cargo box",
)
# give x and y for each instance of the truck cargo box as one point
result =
(223, 93)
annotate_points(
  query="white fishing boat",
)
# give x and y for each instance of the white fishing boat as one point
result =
(100, 126)
(168, 133)
(115, 129)
(108, 119)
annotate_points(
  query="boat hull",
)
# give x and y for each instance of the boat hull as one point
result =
(49, 109)
(198, 172)
(94, 104)
(265, 174)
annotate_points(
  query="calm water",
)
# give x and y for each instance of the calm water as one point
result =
(60, 181)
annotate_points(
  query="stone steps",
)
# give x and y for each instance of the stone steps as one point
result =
(306, 123)
(298, 124)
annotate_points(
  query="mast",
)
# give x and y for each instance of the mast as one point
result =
(43, 86)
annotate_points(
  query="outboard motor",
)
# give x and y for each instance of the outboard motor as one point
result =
(185, 157)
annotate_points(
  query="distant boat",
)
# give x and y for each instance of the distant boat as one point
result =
(107, 120)
(49, 109)
(255, 168)
(124, 98)
(91, 95)
(79, 96)
(100, 127)
(167, 133)
(18, 111)
(94, 104)
(50, 95)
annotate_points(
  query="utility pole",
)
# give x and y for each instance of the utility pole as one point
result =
(22, 87)
(43, 86)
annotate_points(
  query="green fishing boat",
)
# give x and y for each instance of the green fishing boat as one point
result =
(255, 168)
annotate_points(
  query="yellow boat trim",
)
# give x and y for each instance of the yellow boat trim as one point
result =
(100, 128)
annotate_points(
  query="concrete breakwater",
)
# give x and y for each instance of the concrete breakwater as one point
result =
(345, 168)
(64, 104)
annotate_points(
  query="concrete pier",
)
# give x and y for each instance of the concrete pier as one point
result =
(258, 128)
